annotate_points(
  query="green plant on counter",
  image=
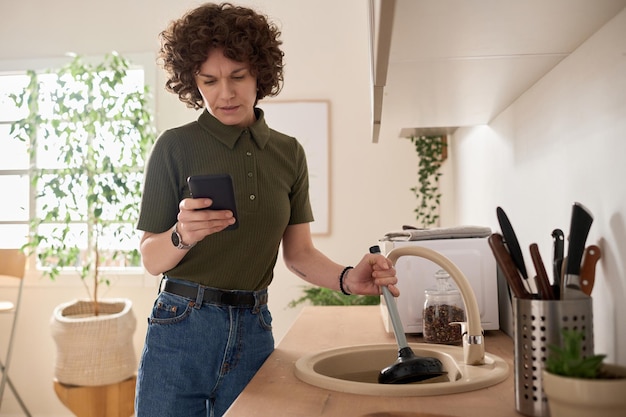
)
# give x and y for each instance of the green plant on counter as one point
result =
(569, 360)
(431, 151)
(319, 296)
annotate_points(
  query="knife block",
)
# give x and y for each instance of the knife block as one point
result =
(538, 324)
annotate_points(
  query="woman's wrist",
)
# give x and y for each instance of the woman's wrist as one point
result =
(343, 285)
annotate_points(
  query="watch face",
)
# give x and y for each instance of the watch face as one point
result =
(175, 239)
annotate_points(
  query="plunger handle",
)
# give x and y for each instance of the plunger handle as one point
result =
(390, 301)
(396, 322)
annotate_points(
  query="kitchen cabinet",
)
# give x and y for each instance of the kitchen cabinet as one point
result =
(438, 65)
(276, 391)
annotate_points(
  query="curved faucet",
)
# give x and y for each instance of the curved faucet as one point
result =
(472, 331)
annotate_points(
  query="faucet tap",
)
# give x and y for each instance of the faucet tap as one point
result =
(473, 346)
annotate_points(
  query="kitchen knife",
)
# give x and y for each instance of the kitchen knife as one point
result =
(508, 268)
(557, 255)
(579, 230)
(559, 271)
(510, 239)
(588, 268)
(543, 283)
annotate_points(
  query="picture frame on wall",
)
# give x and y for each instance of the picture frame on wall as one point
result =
(307, 121)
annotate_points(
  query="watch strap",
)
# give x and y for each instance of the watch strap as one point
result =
(177, 240)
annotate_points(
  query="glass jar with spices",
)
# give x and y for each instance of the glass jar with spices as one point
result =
(443, 305)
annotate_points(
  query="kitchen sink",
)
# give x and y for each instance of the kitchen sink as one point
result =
(355, 369)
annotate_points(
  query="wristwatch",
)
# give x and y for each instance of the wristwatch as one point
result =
(177, 240)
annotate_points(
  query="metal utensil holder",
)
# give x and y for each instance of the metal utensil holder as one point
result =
(538, 324)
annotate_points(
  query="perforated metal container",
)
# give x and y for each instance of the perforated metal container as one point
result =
(538, 324)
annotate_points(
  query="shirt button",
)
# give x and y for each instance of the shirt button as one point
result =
(249, 174)
(252, 196)
(249, 153)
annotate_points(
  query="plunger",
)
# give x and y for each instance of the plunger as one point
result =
(408, 367)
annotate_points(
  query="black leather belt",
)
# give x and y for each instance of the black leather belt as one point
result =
(217, 296)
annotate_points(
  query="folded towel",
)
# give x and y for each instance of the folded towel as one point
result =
(457, 232)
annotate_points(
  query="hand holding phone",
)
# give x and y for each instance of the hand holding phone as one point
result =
(218, 188)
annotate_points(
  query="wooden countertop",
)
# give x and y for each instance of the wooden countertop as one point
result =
(276, 391)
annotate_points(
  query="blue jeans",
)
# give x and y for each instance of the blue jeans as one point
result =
(198, 357)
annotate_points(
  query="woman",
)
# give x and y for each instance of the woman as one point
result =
(210, 329)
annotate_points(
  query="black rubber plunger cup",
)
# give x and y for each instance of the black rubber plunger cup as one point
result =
(408, 367)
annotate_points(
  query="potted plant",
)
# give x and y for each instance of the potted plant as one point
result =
(88, 128)
(578, 385)
(320, 296)
(431, 151)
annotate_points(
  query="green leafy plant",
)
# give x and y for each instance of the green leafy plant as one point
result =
(431, 151)
(99, 129)
(319, 296)
(569, 361)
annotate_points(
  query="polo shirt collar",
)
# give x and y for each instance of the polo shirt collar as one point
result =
(229, 135)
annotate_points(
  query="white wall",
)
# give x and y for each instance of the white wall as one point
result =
(561, 142)
(326, 47)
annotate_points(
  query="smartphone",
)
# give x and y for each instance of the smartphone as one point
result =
(218, 188)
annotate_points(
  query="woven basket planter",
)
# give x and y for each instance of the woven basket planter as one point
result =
(94, 350)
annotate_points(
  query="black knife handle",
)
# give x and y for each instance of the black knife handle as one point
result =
(557, 256)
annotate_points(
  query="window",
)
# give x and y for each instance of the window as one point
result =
(84, 143)
(14, 167)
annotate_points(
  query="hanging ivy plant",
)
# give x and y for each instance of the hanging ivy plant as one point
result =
(431, 151)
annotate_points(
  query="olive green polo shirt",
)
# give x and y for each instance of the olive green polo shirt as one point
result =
(271, 184)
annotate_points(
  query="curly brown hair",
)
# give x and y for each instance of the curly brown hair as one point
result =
(244, 36)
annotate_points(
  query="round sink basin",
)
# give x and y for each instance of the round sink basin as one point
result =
(355, 369)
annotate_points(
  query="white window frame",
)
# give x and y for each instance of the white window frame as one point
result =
(131, 276)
